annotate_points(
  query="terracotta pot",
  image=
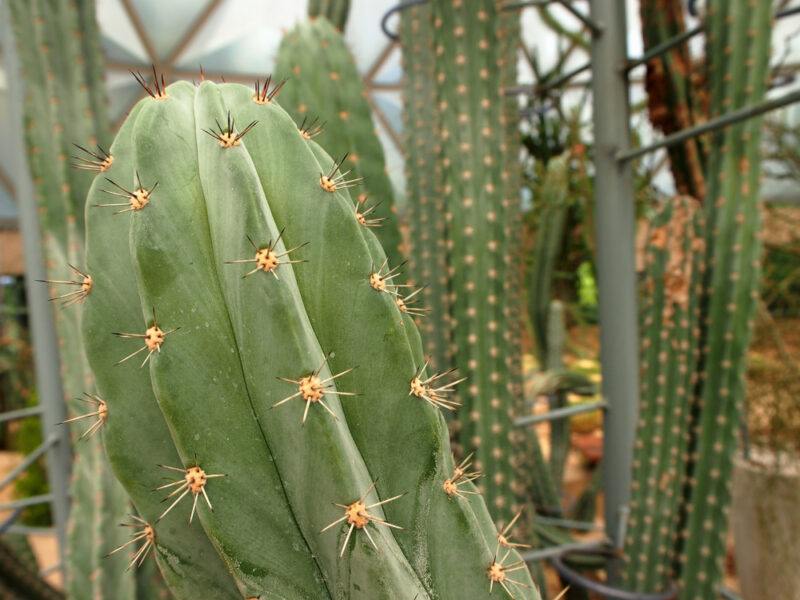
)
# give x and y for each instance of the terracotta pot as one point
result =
(765, 519)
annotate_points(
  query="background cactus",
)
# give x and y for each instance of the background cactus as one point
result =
(254, 362)
(738, 43)
(335, 11)
(471, 63)
(58, 48)
(684, 455)
(329, 102)
(427, 249)
(670, 332)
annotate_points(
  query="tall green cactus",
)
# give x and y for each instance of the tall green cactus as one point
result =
(286, 387)
(336, 11)
(427, 255)
(470, 70)
(58, 47)
(329, 102)
(670, 331)
(738, 45)
(684, 455)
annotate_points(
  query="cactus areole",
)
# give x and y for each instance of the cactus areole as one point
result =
(288, 405)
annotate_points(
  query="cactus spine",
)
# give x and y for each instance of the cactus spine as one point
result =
(427, 256)
(251, 353)
(469, 72)
(329, 101)
(58, 47)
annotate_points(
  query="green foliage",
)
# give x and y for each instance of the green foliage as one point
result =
(328, 99)
(335, 11)
(250, 375)
(33, 482)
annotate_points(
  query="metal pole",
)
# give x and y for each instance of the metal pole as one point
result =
(616, 270)
(43, 336)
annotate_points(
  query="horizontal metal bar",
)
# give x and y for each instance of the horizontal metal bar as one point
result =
(525, 4)
(569, 523)
(24, 502)
(21, 413)
(9, 522)
(663, 47)
(29, 530)
(729, 594)
(51, 569)
(603, 589)
(594, 27)
(561, 413)
(29, 460)
(669, 44)
(553, 551)
(546, 86)
(720, 122)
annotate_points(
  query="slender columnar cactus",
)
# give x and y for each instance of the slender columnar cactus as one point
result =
(470, 55)
(58, 46)
(427, 255)
(335, 11)
(291, 385)
(670, 331)
(329, 102)
(738, 44)
(672, 103)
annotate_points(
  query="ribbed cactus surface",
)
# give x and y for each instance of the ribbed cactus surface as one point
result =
(470, 69)
(335, 11)
(329, 101)
(428, 254)
(738, 45)
(674, 264)
(58, 48)
(287, 388)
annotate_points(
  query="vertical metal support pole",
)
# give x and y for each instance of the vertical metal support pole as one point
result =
(616, 270)
(43, 336)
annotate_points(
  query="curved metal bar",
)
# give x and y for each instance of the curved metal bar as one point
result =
(396, 9)
(572, 577)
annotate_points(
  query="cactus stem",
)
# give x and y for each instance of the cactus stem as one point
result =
(361, 216)
(404, 304)
(227, 136)
(194, 480)
(498, 573)
(84, 284)
(381, 281)
(160, 91)
(137, 199)
(435, 396)
(461, 476)
(266, 258)
(144, 531)
(504, 539)
(263, 94)
(313, 389)
(357, 516)
(100, 161)
(333, 181)
(101, 413)
(153, 339)
(310, 129)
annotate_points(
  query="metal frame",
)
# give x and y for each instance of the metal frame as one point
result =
(52, 409)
